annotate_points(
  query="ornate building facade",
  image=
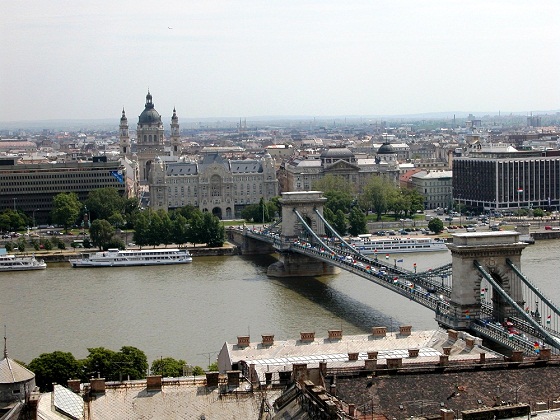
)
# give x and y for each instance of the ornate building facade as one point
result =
(299, 174)
(213, 184)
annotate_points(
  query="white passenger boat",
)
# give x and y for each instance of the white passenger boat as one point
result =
(10, 262)
(116, 258)
(369, 244)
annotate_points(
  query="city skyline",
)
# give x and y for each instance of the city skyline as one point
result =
(246, 59)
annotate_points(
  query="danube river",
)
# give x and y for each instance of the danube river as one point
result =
(189, 311)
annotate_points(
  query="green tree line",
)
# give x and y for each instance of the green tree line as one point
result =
(105, 212)
(347, 210)
(127, 363)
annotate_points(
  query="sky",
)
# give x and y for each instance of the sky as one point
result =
(244, 58)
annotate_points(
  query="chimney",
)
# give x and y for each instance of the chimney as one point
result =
(243, 341)
(212, 379)
(379, 332)
(307, 336)
(452, 335)
(153, 383)
(447, 351)
(33, 404)
(335, 335)
(353, 356)
(544, 354)
(74, 385)
(267, 340)
(516, 356)
(233, 377)
(372, 354)
(413, 352)
(405, 330)
(97, 385)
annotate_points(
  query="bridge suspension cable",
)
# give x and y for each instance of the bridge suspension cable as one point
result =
(545, 334)
(308, 228)
(531, 286)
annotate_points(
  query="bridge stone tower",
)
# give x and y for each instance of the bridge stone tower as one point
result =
(293, 264)
(490, 250)
(305, 202)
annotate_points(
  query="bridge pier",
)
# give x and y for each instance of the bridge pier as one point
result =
(490, 250)
(296, 265)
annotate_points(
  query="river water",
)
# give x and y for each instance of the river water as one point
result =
(189, 311)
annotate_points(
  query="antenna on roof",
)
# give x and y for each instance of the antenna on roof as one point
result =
(5, 344)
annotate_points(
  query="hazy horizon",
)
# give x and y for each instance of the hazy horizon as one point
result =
(247, 59)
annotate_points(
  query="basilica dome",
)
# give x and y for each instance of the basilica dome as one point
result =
(149, 115)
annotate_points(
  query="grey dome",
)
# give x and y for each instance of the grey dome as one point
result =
(337, 152)
(386, 149)
(149, 115)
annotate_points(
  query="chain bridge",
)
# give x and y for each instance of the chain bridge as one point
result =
(482, 291)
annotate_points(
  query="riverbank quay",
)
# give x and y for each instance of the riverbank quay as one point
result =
(60, 256)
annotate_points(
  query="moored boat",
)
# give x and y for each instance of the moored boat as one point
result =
(10, 262)
(114, 257)
(369, 244)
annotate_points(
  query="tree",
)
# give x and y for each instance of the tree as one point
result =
(21, 244)
(141, 228)
(179, 229)
(333, 183)
(376, 193)
(251, 213)
(213, 232)
(340, 223)
(357, 221)
(414, 201)
(132, 363)
(328, 215)
(165, 228)
(197, 371)
(102, 203)
(194, 229)
(12, 220)
(117, 220)
(538, 212)
(338, 192)
(155, 234)
(66, 209)
(435, 225)
(168, 367)
(55, 367)
(101, 233)
(100, 362)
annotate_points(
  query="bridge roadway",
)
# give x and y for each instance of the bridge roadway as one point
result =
(415, 286)
(418, 287)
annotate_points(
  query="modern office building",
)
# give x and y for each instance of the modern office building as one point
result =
(507, 180)
(214, 184)
(32, 187)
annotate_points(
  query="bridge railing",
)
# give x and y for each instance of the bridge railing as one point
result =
(377, 275)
